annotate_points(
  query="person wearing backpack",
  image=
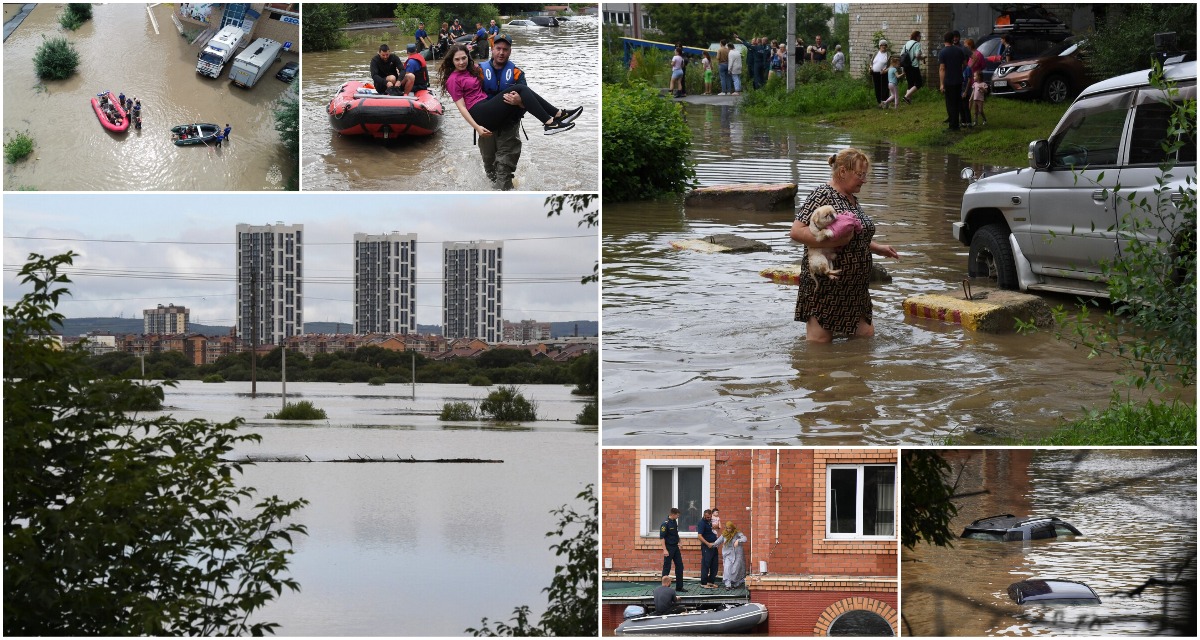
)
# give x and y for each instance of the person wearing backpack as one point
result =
(910, 60)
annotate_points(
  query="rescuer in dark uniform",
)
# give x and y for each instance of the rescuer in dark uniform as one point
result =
(668, 532)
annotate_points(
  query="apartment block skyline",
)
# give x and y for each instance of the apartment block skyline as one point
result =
(270, 274)
(472, 278)
(385, 283)
(165, 320)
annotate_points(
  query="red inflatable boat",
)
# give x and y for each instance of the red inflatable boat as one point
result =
(356, 110)
(122, 123)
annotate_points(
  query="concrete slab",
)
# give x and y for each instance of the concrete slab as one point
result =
(790, 274)
(723, 243)
(749, 196)
(990, 310)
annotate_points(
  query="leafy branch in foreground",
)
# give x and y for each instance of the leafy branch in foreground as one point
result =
(574, 593)
(114, 524)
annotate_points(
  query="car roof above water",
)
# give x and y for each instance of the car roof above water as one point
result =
(1051, 591)
(1007, 527)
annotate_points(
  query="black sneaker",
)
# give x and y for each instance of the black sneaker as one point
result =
(570, 115)
(558, 127)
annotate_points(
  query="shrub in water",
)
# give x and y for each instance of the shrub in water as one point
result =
(213, 377)
(590, 415)
(20, 146)
(646, 144)
(75, 15)
(303, 410)
(479, 380)
(506, 404)
(56, 59)
(377, 381)
(457, 411)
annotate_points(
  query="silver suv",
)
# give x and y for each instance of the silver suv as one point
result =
(1052, 225)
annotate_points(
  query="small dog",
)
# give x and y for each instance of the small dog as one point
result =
(820, 261)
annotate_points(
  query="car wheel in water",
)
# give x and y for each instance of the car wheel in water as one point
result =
(1057, 90)
(991, 257)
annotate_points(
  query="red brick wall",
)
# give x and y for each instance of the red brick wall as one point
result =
(797, 613)
(741, 478)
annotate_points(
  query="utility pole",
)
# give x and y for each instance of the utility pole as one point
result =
(253, 334)
(791, 45)
(284, 368)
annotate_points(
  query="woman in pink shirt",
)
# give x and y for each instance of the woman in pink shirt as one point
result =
(463, 80)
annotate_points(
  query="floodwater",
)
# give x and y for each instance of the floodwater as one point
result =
(1136, 510)
(562, 65)
(699, 349)
(408, 549)
(119, 51)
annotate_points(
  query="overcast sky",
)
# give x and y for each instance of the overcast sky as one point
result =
(544, 257)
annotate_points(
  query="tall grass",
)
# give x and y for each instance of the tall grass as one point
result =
(17, 148)
(303, 410)
(1130, 424)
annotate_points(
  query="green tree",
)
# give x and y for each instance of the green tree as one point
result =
(1124, 39)
(321, 27)
(925, 503)
(585, 372)
(573, 594)
(702, 24)
(55, 59)
(581, 204)
(287, 123)
(115, 525)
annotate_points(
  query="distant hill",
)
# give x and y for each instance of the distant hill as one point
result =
(80, 326)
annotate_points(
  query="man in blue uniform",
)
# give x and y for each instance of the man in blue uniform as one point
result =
(708, 552)
(423, 42)
(668, 532)
(502, 150)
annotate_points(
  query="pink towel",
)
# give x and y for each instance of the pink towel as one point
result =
(846, 224)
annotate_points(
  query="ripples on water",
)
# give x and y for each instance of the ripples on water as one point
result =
(561, 63)
(701, 350)
(1136, 509)
(119, 51)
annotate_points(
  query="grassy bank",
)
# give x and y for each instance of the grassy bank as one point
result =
(850, 104)
(1129, 424)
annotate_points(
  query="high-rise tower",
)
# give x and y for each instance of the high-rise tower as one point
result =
(471, 283)
(270, 277)
(385, 283)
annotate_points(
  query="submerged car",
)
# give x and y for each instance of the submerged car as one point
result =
(1007, 527)
(288, 72)
(1040, 591)
(1053, 225)
(1055, 75)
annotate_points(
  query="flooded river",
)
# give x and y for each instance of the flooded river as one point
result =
(1136, 510)
(408, 549)
(562, 65)
(119, 51)
(701, 350)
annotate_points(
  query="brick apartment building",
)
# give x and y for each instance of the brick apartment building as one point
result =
(823, 521)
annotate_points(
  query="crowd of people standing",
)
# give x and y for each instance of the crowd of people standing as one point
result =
(762, 60)
(721, 547)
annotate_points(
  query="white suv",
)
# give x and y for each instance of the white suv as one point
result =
(1049, 227)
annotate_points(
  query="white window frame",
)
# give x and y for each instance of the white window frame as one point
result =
(650, 521)
(858, 501)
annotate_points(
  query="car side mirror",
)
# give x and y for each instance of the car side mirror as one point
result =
(1039, 154)
(967, 174)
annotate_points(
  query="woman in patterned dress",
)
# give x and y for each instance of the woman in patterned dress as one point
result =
(839, 307)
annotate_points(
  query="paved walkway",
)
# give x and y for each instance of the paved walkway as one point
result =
(12, 24)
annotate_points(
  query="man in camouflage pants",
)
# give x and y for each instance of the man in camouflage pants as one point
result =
(502, 150)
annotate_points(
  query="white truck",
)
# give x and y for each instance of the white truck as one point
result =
(252, 63)
(218, 51)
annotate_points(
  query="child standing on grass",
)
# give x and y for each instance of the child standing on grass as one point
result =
(979, 90)
(893, 79)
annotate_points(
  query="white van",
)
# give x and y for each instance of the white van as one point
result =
(1050, 226)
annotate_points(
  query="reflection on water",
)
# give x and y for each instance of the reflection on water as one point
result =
(1136, 510)
(119, 51)
(561, 64)
(407, 549)
(701, 350)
